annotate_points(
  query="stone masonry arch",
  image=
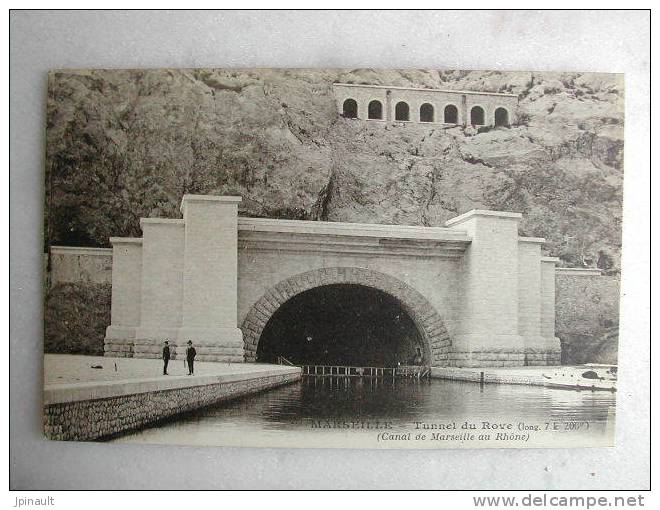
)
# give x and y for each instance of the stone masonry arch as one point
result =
(430, 324)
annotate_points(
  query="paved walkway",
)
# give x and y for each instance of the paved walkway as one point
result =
(552, 376)
(72, 369)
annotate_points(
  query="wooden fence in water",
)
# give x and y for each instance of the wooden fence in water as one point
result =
(415, 372)
(407, 371)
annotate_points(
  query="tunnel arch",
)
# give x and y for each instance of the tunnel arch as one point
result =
(429, 323)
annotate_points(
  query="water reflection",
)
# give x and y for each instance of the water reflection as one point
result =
(300, 408)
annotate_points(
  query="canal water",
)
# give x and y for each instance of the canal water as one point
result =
(363, 413)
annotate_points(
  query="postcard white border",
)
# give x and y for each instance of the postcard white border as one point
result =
(521, 40)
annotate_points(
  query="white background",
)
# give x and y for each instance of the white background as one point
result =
(561, 41)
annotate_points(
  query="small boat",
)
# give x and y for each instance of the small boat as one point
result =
(610, 370)
(591, 376)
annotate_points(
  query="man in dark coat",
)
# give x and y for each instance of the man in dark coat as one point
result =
(190, 358)
(166, 356)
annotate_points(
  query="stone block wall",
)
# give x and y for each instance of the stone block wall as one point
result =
(488, 321)
(586, 306)
(80, 265)
(126, 297)
(529, 289)
(161, 287)
(526, 378)
(587, 311)
(181, 281)
(87, 420)
(505, 358)
(483, 295)
(261, 270)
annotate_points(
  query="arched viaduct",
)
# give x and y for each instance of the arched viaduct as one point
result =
(421, 106)
(474, 292)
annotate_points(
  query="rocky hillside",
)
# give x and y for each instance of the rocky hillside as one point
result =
(126, 144)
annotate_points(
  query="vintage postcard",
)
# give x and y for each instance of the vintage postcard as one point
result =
(333, 258)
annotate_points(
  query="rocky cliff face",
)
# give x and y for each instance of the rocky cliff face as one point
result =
(126, 144)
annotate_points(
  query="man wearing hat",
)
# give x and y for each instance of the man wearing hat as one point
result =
(166, 356)
(190, 357)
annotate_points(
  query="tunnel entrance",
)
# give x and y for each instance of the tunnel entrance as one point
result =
(341, 324)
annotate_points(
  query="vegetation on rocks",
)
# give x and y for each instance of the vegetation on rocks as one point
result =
(76, 315)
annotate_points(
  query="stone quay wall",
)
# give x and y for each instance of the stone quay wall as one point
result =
(505, 358)
(74, 419)
(524, 377)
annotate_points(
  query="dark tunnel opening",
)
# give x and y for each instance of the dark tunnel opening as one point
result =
(342, 324)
